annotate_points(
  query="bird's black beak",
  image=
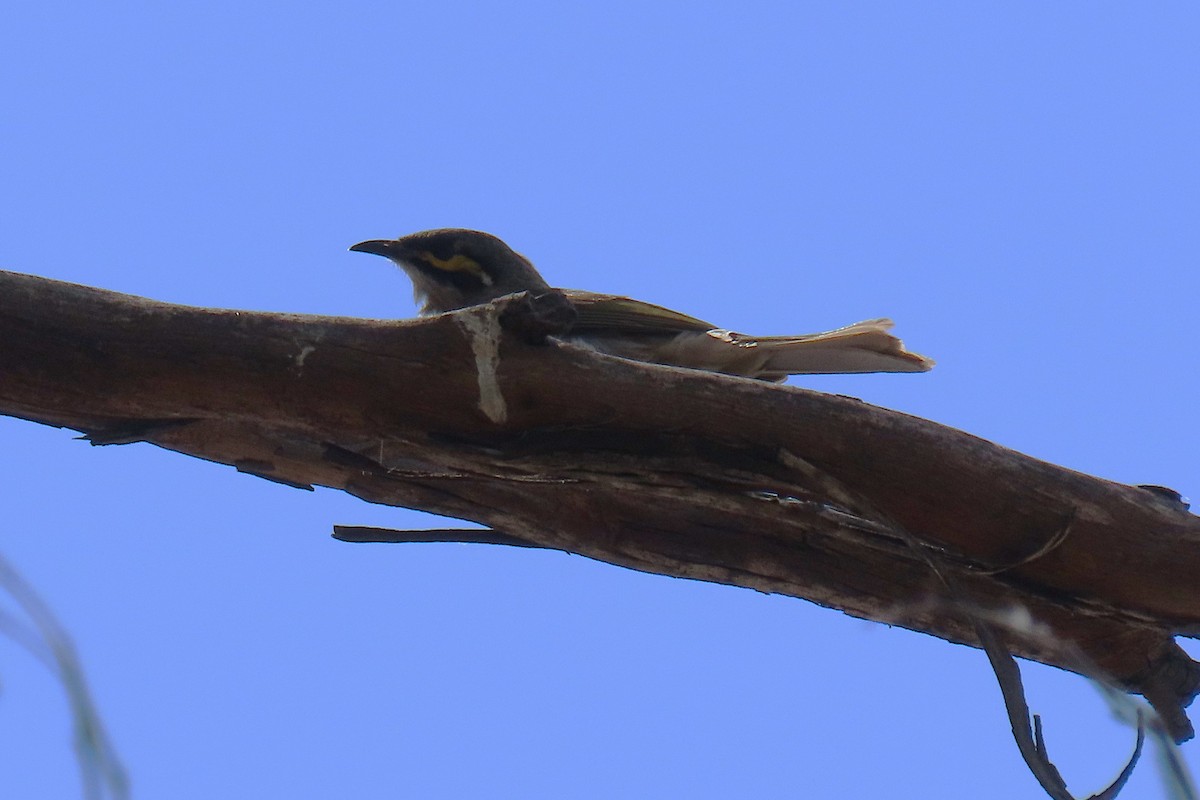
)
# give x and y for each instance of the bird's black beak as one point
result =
(379, 247)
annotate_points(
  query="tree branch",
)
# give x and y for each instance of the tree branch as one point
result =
(663, 470)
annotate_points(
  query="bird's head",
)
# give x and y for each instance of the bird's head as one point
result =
(455, 268)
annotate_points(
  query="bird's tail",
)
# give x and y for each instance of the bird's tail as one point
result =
(862, 347)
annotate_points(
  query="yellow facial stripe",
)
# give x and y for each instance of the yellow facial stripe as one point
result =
(458, 263)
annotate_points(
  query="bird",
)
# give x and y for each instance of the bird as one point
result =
(455, 268)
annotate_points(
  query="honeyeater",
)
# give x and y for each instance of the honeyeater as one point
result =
(453, 268)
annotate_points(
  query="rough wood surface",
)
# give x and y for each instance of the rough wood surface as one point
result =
(477, 416)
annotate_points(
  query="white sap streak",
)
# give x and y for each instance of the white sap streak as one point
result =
(483, 331)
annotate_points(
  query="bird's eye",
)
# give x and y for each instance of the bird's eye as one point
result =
(458, 263)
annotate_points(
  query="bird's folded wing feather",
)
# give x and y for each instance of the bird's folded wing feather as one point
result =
(615, 313)
(862, 347)
(866, 333)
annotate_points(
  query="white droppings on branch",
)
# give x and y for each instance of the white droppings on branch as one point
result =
(303, 355)
(483, 331)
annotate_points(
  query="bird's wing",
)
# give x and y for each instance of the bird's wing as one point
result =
(612, 312)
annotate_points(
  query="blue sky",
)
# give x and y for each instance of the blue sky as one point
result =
(1015, 184)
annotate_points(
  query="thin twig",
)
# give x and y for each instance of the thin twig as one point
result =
(360, 534)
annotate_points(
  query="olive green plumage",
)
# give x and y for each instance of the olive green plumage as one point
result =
(454, 268)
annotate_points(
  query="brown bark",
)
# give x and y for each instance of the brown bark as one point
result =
(475, 415)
